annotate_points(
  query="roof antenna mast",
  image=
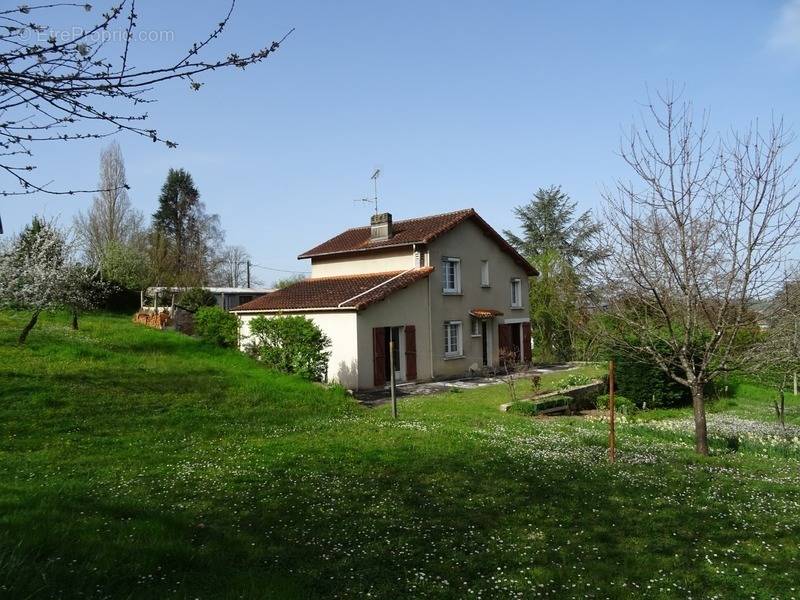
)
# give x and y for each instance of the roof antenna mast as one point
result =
(374, 199)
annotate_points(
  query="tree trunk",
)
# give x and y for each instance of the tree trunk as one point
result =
(700, 428)
(75, 319)
(27, 329)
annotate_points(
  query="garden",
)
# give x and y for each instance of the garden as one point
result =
(142, 464)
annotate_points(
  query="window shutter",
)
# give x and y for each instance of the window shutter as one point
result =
(411, 352)
(379, 356)
(526, 342)
(504, 335)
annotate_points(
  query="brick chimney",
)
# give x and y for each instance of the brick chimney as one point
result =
(381, 227)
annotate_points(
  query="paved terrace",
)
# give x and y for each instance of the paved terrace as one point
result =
(412, 389)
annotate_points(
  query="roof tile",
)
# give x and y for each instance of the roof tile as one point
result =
(346, 291)
(421, 230)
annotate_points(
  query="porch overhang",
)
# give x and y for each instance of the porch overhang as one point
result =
(485, 313)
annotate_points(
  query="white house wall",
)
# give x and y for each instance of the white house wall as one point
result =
(340, 327)
(372, 262)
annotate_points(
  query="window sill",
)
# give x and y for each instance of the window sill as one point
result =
(456, 357)
(485, 286)
(474, 335)
(517, 308)
(446, 293)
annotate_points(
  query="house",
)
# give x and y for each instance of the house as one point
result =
(227, 297)
(447, 289)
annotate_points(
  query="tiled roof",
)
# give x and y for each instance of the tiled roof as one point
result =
(485, 313)
(421, 230)
(345, 291)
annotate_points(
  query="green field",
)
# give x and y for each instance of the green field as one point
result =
(143, 464)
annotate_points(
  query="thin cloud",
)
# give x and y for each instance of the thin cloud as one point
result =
(786, 32)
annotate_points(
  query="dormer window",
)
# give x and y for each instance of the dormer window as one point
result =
(451, 275)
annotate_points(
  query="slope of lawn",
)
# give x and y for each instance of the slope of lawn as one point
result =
(143, 464)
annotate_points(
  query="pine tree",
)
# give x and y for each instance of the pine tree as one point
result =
(548, 224)
(190, 233)
(562, 247)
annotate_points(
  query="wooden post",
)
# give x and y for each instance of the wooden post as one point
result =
(391, 375)
(612, 434)
(795, 384)
(141, 299)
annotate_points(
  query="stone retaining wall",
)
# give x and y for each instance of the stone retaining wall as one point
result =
(583, 396)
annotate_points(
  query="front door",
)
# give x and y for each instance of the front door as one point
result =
(394, 334)
(484, 344)
(516, 341)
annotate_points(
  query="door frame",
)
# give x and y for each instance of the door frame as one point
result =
(400, 369)
(489, 341)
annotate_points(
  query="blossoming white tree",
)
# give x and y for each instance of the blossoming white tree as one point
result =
(38, 274)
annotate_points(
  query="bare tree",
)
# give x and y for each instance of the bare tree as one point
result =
(111, 219)
(700, 235)
(509, 362)
(233, 266)
(56, 88)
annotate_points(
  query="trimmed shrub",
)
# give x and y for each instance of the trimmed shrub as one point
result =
(621, 403)
(553, 402)
(290, 345)
(216, 326)
(195, 298)
(524, 408)
(534, 408)
(644, 382)
(638, 378)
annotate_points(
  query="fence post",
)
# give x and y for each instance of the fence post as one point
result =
(391, 375)
(612, 434)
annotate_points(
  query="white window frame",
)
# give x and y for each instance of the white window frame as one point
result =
(485, 273)
(449, 352)
(516, 286)
(475, 327)
(456, 262)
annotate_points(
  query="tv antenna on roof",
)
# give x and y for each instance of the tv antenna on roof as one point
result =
(374, 199)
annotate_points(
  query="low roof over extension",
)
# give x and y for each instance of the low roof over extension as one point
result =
(353, 292)
(421, 230)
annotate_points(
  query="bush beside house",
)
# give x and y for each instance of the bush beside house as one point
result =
(217, 326)
(290, 345)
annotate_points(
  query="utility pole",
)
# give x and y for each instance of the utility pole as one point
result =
(612, 434)
(248, 273)
(391, 375)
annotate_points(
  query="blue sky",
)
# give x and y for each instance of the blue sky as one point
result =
(459, 103)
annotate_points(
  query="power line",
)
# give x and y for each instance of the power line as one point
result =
(280, 270)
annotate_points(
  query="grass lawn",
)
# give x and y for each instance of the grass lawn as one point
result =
(142, 464)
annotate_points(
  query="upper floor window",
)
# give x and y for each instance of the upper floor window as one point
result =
(516, 293)
(484, 273)
(453, 344)
(451, 275)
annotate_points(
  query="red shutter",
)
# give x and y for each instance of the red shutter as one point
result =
(379, 356)
(411, 352)
(526, 342)
(504, 335)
